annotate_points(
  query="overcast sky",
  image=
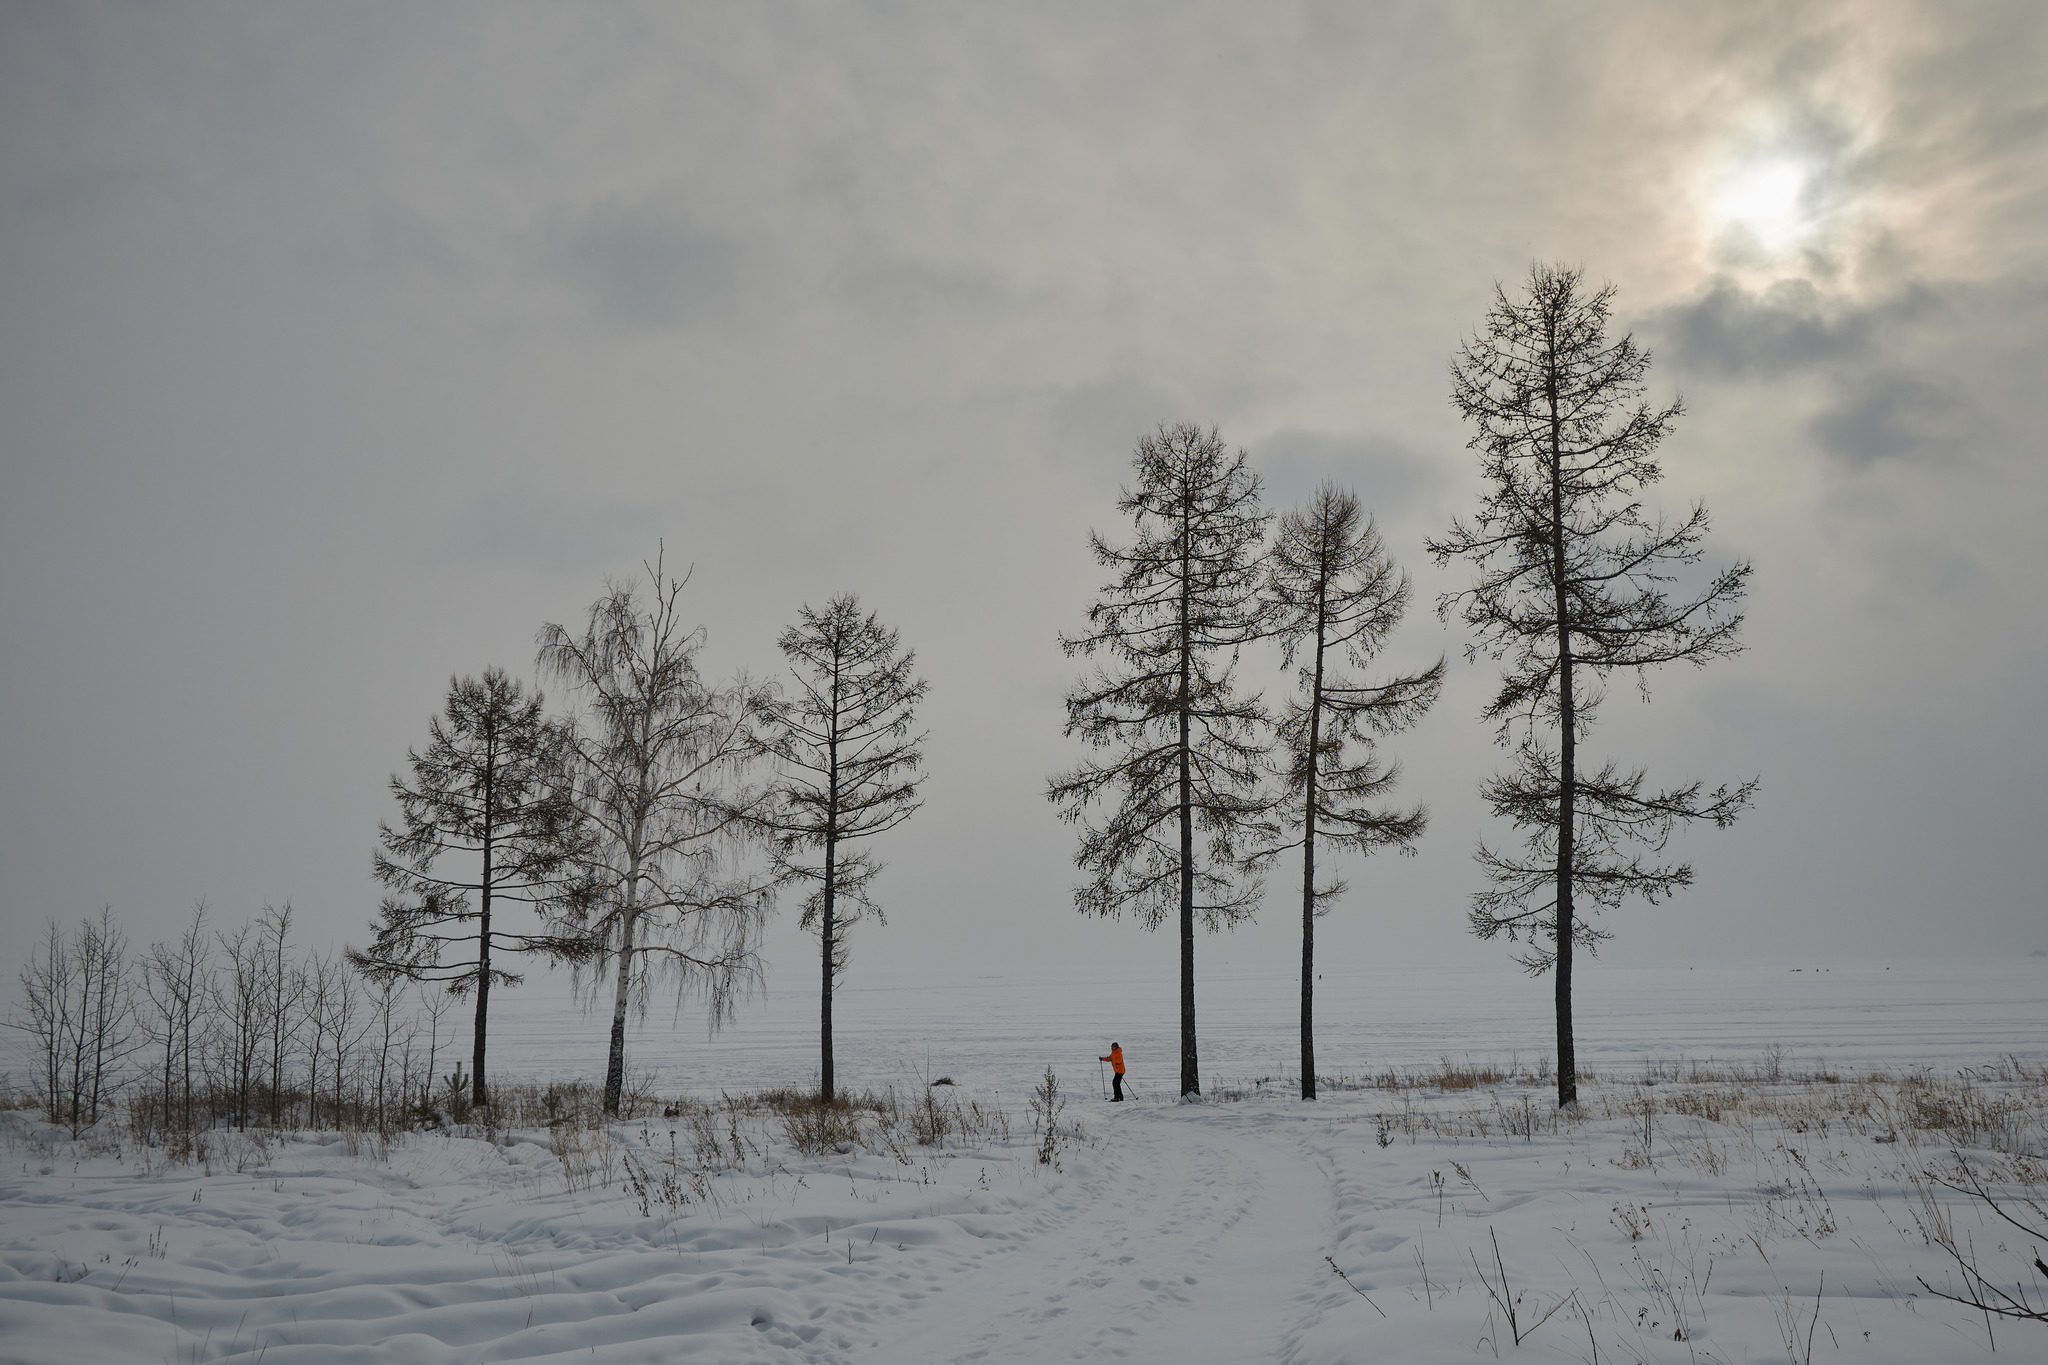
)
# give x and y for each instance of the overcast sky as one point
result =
(343, 346)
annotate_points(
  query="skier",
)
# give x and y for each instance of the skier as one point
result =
(1116, 1064)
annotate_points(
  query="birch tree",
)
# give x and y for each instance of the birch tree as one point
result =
(1573, 583)
(665, 765)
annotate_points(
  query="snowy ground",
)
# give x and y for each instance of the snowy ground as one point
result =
(1730, 1218)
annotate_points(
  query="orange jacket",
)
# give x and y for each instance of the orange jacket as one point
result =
(1115, 1060)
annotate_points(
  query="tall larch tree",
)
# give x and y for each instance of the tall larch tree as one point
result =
(491, 794)
(1573, 583)
(850, 768)
(1174, 803)
(665, 770)
(1333, 596)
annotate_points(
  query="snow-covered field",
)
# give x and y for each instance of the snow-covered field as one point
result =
(1001, 1030)
(1695, 1211)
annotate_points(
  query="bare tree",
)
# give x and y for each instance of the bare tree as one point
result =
(76, 1007)
(850, 769)
(106, 1035)
(1185, 751)
(493, 785)
(241, 1003)
(322, 976)
(341, 1026)
(436, 1003)
(286, 984)
(46, 1012)
(1332, 597)
(212, 1008)
(175, 984)
(1573, 584)
(664, 765)
(394, 1032)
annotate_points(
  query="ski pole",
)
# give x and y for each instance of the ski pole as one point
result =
(1101, 1081)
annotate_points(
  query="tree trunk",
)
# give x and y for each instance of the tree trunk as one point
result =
(102, 1022)
(170, 1061)
(1190, 1067)
(277, 1031)
(185, 1037)
(826, 926)
(1567, 1062)
(1308, 865)
(76, 1042)
(477, 1094)
(615, 1056)
(313, 1076)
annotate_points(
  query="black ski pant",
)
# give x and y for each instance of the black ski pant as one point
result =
(1118, 1097)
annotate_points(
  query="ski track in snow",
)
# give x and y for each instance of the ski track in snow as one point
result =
(478, 1255)
(459, 1251)
(1175, 1213)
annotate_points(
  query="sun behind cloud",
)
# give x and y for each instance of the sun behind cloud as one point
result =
(1765, 200)
(1784, 196)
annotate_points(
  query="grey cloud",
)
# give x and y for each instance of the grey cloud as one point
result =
(1388, 475)
(1104, 418)
(1913, 375)
(1895, 414)
(393, 242)
(886, 304)
(402, 240)
(903, 286)
(1109, 415)
(515, 524)
(1731, 333)
(651, 265)
(1915, 566)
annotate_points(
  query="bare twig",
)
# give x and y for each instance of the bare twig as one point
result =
(1980, 1292)
(1354, 1288)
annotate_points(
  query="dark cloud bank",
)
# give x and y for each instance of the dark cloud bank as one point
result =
(339, 349)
